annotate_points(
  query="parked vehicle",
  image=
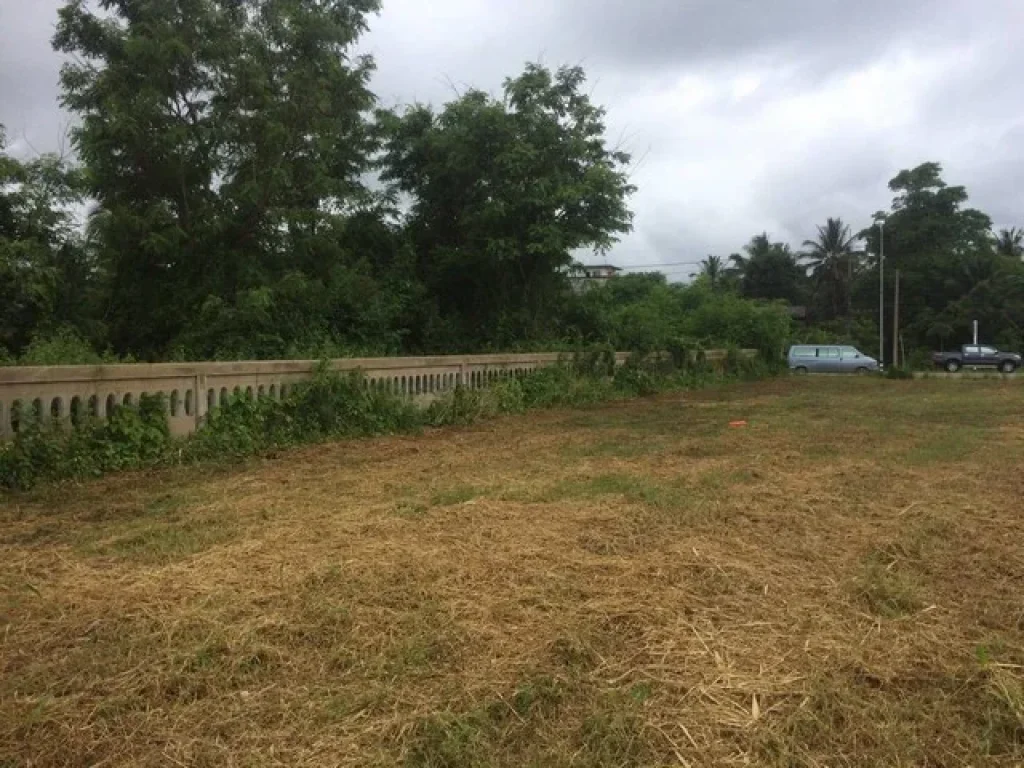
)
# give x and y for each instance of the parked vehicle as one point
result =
(827, 358)
(977, 356)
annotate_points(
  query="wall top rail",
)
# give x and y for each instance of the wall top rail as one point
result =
(84, 373)
(61, 374)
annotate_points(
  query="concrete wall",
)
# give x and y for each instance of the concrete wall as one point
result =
(192, 390)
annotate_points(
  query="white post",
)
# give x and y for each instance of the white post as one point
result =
(975, 333)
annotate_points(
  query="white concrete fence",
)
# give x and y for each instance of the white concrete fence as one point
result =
(73, 393)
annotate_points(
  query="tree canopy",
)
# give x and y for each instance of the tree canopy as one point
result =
(503, 193)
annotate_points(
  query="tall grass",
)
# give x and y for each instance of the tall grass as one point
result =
(333, 406)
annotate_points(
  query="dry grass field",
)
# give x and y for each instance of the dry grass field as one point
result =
(839, 583)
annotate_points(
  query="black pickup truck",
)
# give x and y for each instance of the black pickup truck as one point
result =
(977, 356)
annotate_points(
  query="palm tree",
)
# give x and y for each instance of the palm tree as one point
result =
(830, 257)
(713, 269)
(1010, 242)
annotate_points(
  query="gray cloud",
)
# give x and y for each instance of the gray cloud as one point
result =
(669, 33)
(744, 115)
(28, 76)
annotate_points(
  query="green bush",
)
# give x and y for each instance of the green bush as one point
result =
(899, 373)
(595, 360)
(634, 380)
(130, 438)
(459, 408)
(328, 406)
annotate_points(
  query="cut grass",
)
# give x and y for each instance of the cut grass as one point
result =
(838, 584)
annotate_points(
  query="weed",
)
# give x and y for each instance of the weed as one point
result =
(459, 494)
(165, 541)
(613, 733)
(899, 373)
(131, 437)
(1004, 714)
(637, 490)
(410, 510)
(886, 591)
(450, 741)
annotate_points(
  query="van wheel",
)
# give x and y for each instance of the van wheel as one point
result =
(952, 366)
(800, 370)
(1008, 366)
(863, 371)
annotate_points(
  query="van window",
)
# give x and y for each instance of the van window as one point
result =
(849, 352)
(829, 353)
(805, 352)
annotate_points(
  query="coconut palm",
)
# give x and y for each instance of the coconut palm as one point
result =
(714, 270)
(1010, 242)
(830, 258)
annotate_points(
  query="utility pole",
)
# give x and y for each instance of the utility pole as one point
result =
(881, 292)
(849, 297)
(896, 323)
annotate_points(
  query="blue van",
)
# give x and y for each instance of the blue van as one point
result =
(828, 358)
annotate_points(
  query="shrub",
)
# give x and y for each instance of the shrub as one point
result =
(595, 360)
(632, 379)
(327, 406)
(130, 438)
(899, 373)
(459, 408)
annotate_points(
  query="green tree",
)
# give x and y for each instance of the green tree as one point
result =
(770, 270)
(46, 276)
(503, 192)
(942, 248)
(832, 259)
(224, 142)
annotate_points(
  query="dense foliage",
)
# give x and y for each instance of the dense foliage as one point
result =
(504, 192)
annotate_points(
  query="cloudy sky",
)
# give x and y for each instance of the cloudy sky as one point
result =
(742, 115)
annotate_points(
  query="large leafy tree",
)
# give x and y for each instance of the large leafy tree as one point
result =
(503, 192)
(770, 270)
(941, 247)
(831, 258)
(222, 139)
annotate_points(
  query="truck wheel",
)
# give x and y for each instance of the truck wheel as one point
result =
(952, 366)
(1008, 366)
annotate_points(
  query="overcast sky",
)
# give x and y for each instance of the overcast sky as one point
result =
(742, 115)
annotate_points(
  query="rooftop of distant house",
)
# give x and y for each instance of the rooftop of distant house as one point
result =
(600, 269)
